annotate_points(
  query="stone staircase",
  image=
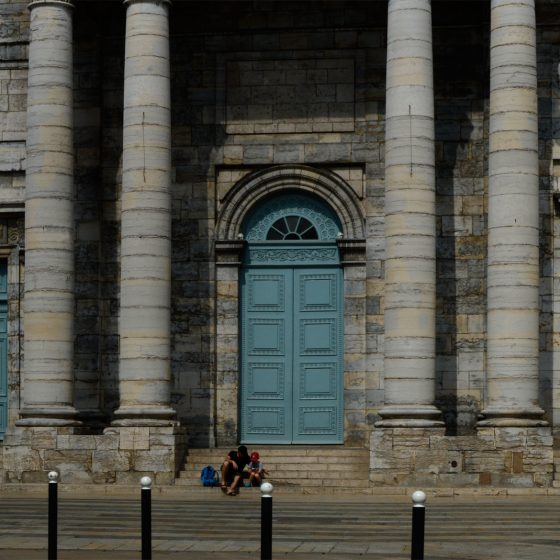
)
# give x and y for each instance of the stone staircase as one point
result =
(303, 469)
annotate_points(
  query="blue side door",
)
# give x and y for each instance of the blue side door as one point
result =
(292, 355)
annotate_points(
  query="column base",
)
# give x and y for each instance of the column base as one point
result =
(49, 416)
(410, 416)
(515, 417)
(146, 416)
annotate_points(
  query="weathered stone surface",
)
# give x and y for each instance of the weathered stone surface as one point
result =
(499, 456)
(508, 438)
(134, 438)
(461, 443)
(53, 457)
(75, 442)
(155, 460)
(484, 461)
(111, 460)
(164, 478)
(107, 441)
(21, 458)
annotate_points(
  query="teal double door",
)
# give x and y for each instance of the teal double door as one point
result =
(291, 354)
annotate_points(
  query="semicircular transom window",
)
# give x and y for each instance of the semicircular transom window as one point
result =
(291, 228)
(292, 217)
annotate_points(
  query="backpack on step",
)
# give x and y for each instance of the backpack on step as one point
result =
(209, 476)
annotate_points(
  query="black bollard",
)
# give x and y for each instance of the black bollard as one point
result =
(53, 515)
(266, 521)
(146, 494)
(418, 519)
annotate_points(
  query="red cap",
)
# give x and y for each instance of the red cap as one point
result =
(254, 457)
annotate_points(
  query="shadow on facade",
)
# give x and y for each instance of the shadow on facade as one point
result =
(460, 81)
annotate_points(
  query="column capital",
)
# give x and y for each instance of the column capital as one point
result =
(37, 3)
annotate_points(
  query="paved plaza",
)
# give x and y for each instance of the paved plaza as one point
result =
(212, 526)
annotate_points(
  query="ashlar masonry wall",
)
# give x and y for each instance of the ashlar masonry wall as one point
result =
(282, 83)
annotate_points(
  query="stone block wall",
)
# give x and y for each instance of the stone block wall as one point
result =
(502, 457)
(119, 455)
(256, 85)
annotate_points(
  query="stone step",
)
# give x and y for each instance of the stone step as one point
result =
(197, 467)
(300, 468)
(286, 451)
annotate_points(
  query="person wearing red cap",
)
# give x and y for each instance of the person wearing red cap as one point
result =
(256, 470)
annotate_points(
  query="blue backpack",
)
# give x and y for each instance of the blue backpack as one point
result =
(209, 476)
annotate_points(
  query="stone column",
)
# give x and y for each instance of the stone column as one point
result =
(49, 219)
(144, 328)
(410, 228)
(513, 219)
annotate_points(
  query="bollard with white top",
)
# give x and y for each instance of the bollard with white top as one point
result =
(266, 521)
(418, 519)
(53, 516)
(146, 495)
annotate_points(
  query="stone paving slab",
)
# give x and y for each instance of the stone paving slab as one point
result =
(304, 528)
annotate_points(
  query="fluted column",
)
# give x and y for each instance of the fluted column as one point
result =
(49, 219)
(144, 372)
(410, 267)
(513, 219)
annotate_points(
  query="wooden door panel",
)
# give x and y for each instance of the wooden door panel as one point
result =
(317, 402)
(292, 355)
(266, 388)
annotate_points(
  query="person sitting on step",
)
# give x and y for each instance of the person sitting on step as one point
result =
(256, 470)
(229, 470)
(232, 470)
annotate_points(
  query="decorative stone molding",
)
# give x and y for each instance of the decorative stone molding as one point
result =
(352, 251)
(253, 188)
(229, 253)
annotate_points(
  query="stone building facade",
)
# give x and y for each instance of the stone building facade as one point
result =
(295, 223)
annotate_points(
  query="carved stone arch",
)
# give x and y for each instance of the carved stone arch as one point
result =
(253, 188)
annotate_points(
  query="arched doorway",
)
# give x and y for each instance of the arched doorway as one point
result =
(291, 323)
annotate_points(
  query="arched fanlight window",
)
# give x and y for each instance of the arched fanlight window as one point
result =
(292, 216)
(291, 228)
